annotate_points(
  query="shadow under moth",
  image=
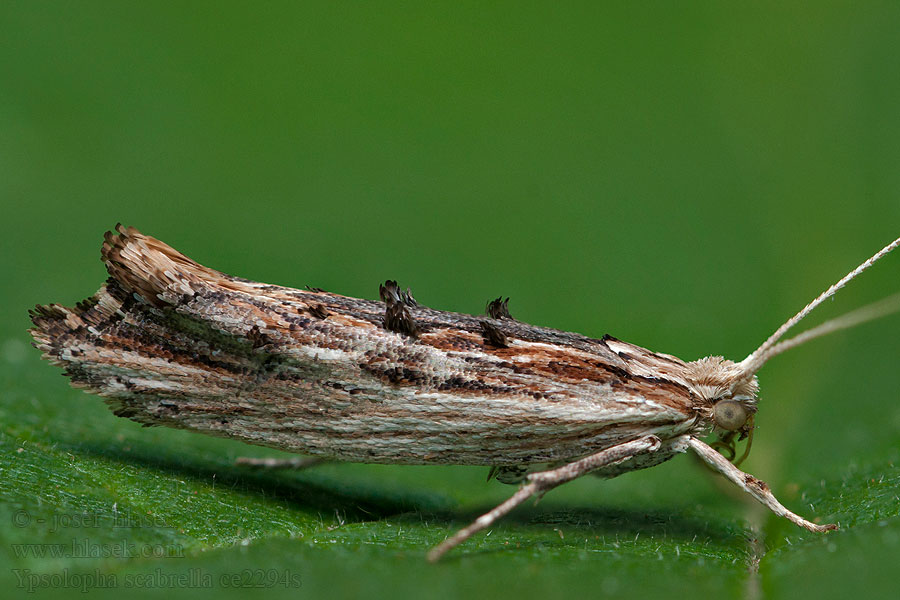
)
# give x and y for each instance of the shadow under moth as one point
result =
(167, 341)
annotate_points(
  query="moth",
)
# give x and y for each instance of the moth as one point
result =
(167, 341)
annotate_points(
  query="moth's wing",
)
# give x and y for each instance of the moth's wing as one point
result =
(164, 334)
(114, 345)
(172, 342)
(260, 314)
(153, 286)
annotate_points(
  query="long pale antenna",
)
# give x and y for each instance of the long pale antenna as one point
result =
(770, 347)
(870, 312)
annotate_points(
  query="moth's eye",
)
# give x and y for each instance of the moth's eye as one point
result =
(729, 415)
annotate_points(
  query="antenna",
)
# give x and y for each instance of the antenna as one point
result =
(771, 347)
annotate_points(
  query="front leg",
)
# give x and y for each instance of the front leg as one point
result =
(544, 481)
(753, 486)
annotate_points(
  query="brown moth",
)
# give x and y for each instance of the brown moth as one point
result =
(170, 342)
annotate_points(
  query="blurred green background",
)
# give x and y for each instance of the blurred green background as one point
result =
(683, 176)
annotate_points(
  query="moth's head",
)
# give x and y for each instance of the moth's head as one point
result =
(726, 391)
(725, 397)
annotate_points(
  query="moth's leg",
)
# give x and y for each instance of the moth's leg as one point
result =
(753, 486)
(544, 481)
(301, 462)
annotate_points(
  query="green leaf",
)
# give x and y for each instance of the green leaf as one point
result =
(76, 479)
(683, 176)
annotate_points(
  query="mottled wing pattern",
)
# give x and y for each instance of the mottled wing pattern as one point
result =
(170, 342)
